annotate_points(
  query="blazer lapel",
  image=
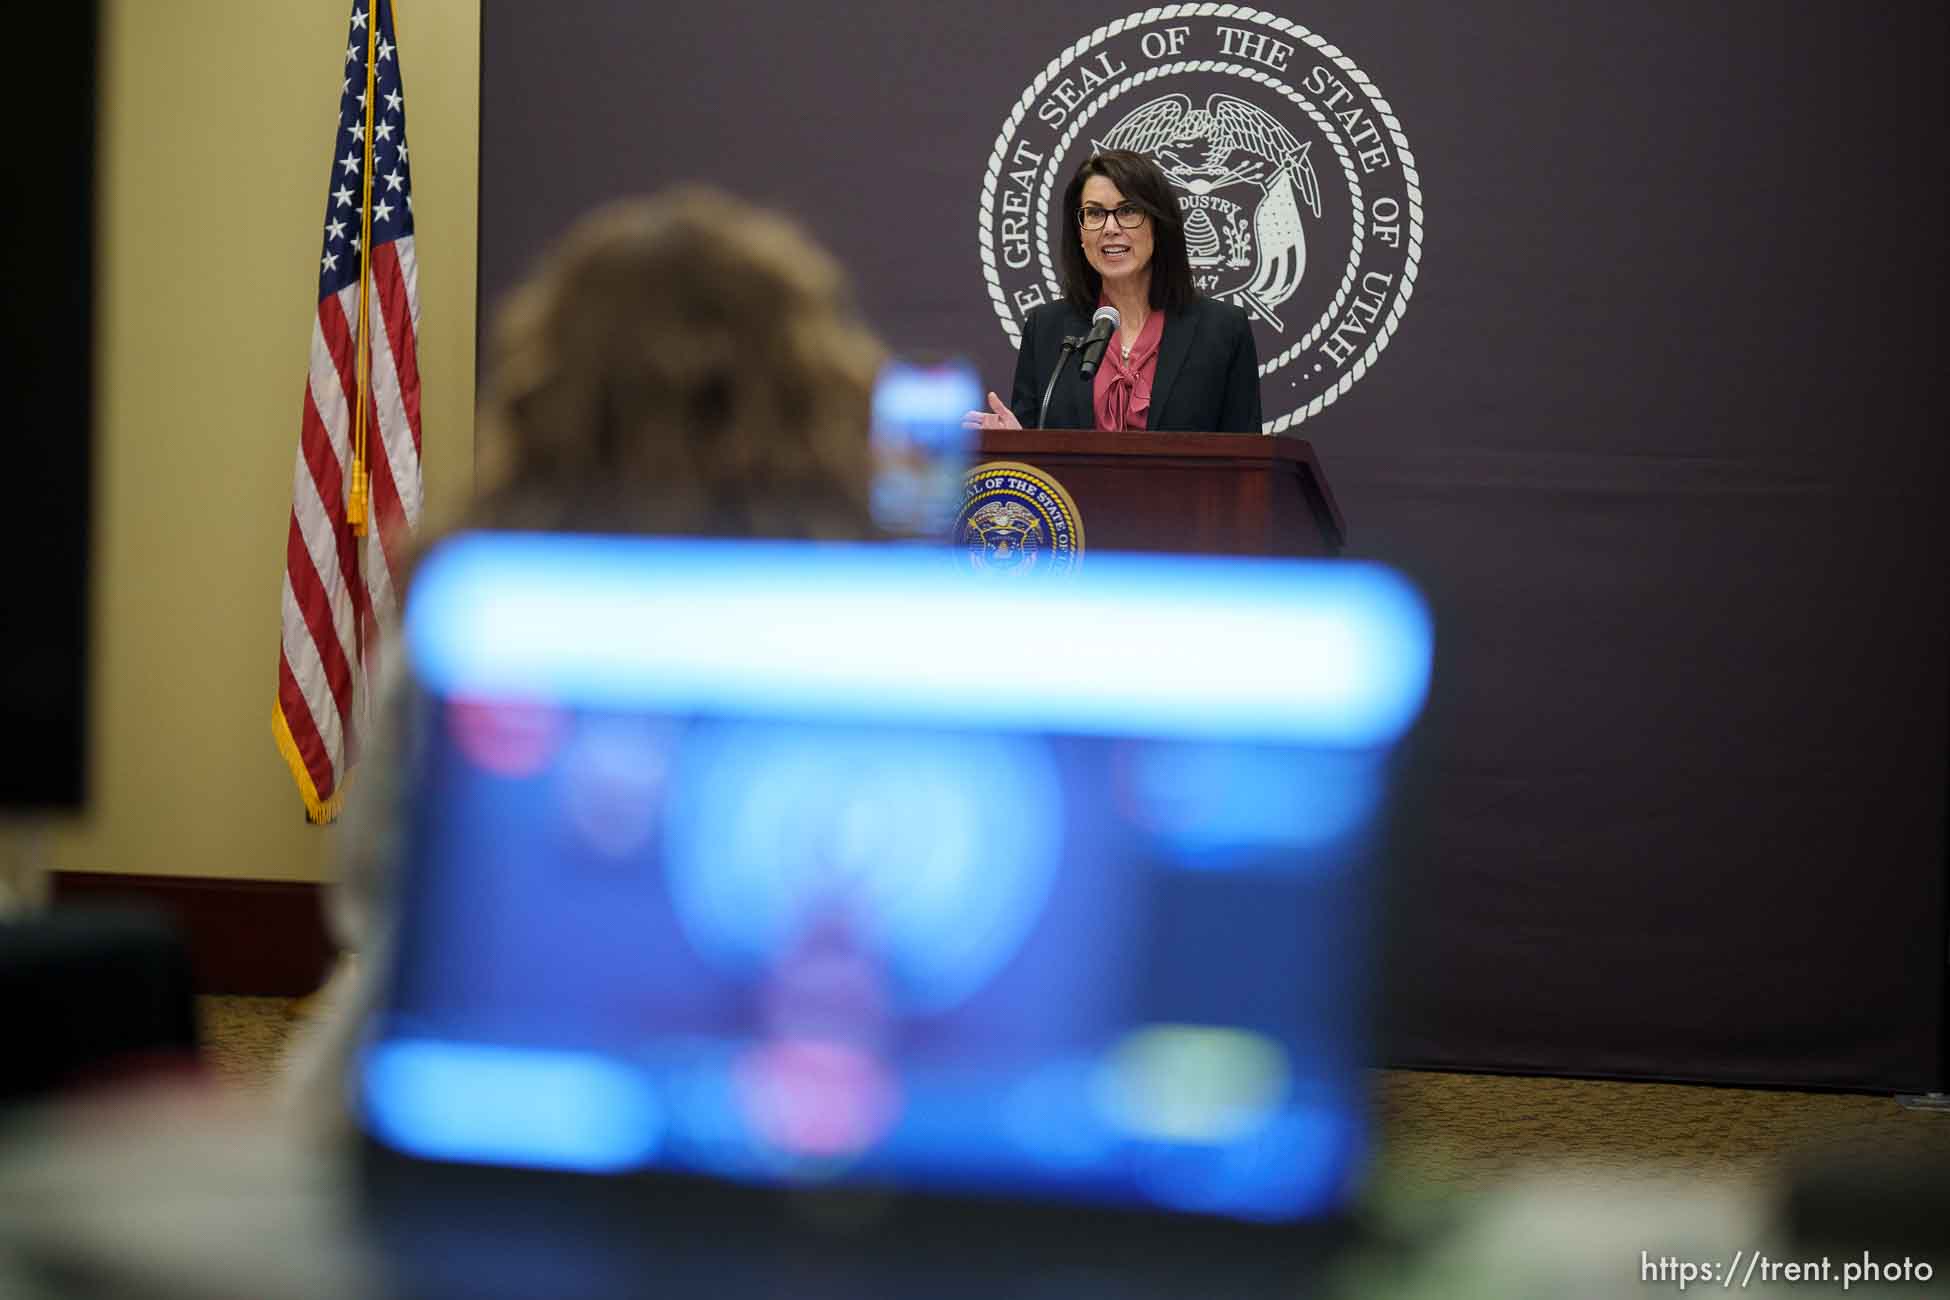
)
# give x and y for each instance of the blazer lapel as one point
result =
(1180, 327)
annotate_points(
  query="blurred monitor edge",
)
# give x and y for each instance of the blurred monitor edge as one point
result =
(788, 866)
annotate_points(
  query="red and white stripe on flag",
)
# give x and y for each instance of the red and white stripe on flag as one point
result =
(340, 600)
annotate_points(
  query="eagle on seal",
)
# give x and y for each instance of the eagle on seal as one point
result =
(1230, 142)
(1003, 535)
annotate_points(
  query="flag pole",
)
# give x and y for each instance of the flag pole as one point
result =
(356, 492)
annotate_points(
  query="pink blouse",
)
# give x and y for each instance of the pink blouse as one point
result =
(1121, 393)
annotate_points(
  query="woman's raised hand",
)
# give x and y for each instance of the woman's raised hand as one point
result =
(998, 416)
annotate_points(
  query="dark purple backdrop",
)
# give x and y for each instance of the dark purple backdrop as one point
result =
(1660, 436)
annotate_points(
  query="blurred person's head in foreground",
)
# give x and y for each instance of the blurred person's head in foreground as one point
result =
(684, 364)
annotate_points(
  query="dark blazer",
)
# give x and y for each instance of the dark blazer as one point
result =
(1207, 381)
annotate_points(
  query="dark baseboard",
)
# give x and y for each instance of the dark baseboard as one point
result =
(261, 937)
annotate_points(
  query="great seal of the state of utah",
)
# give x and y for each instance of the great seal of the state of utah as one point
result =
(1016, 520)
(1301, 197)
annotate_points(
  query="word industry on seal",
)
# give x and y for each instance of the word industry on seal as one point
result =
(1300, 194)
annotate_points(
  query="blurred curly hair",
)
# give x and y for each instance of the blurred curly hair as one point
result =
(685, 364)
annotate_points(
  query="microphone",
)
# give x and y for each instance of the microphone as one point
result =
(1070, 342)
(1102, 326)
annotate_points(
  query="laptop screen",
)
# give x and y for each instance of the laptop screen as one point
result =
(791, 863)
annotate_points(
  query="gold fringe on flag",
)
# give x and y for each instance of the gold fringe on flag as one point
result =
(317, 810)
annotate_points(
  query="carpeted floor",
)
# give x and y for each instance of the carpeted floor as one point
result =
(1458, 1132)
(1466, 1130)
(244, 1038)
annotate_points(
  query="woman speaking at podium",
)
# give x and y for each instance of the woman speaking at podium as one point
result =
(1173, 359)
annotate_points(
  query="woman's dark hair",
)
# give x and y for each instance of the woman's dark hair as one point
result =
(1141, 182)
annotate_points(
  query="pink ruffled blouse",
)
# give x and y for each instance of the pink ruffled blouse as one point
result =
(1121, 392)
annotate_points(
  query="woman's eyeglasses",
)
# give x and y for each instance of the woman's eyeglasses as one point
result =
(1091, 217)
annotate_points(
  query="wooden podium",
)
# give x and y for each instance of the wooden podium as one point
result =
(1194, 493)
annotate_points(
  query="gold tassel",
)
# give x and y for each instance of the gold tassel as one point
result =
(355, 499)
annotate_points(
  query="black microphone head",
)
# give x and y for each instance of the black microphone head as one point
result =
(1102, 326)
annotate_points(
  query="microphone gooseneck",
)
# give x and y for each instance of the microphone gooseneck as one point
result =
(1102, 326)
(1070, 342)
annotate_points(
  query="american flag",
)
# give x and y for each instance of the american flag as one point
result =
(341, 579)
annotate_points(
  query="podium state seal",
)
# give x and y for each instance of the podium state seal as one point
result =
(1018, 521)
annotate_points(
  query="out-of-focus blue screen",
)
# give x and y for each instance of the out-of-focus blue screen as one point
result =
(1052, 893)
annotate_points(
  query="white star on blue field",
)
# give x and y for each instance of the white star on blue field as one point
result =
(392, 183)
